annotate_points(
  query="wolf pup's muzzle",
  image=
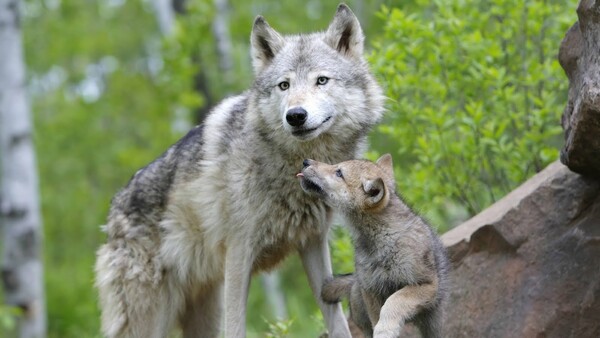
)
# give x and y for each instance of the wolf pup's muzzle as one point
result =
(306, 181)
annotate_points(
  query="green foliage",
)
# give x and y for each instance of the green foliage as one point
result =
(279, 329)
(342, 250)
(475, 95)
(8, 319)
(182, 54)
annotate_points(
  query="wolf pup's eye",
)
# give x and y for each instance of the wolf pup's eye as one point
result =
(321, 80)
(338, 173)
(284, 85)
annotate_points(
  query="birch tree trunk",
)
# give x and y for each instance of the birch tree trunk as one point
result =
(165, 15)
(19, 205)
(222, 37)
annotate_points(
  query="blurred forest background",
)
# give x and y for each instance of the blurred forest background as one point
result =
(475, 96)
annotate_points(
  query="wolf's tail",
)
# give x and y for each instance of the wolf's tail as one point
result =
(337, 287)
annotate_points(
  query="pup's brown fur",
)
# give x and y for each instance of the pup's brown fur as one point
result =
(401, 265)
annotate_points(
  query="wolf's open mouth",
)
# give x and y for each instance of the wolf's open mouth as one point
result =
(302, 132)
(309, 185)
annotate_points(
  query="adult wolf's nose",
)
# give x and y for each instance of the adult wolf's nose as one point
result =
(305, 163)
(296, 116)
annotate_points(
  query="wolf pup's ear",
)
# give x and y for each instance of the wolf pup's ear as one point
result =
(344, 33)
(385, 163)
(265, 43)
(376, 198)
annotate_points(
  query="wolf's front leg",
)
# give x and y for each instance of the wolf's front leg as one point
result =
(317, 264)
(238, 267)
(403, 305)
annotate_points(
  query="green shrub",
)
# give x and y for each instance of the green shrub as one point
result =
(475, 96)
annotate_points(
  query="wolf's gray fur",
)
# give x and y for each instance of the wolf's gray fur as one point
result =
(191, 227)
(401, 265)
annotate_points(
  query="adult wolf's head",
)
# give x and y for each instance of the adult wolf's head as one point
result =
(314, 84)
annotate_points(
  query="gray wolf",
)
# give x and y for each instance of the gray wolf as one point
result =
(188, 231)
(401, 265)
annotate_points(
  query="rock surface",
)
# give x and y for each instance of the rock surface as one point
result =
(529, 265)
(579, 55)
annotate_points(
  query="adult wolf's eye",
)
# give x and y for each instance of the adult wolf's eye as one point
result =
(338, 173)
(284, 85)
(321, 80)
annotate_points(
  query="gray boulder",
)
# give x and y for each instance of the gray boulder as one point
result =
(579, 55)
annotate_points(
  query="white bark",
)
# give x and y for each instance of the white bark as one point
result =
(165, 15)
(275, 297)
(222, 36)
(20, 220)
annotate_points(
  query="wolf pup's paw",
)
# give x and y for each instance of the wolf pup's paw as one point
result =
(329, 294)
(334, 289)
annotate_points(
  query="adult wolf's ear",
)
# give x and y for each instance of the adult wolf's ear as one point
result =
(265, 43)
(344, 33)
(376, 196)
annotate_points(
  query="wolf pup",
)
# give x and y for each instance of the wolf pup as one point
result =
(190, 228)
(401, 265)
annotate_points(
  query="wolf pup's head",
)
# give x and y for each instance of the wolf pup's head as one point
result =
(307, 84)
(351, 185)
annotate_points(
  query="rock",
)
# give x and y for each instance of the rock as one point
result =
(529, 265)
(579, 55)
